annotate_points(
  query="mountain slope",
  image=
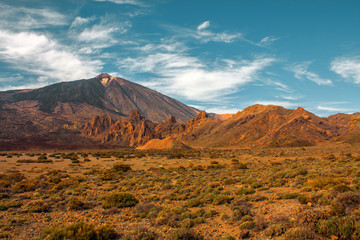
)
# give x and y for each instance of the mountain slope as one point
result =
(261, 126)
(61, 110)
(106, 94)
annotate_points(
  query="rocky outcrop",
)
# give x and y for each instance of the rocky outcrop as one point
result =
(134, 131)
(168, 143)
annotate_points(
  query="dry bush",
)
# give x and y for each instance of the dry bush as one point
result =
(119, 200)
(310, 217)
(37, 207)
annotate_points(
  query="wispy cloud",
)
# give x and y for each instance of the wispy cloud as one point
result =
(285, 104)
(132, 2)
(221, 110)
(268, 40)
(78, 21)
(37, 54)
(301, 72)
(203, 33)
(92, 34)
(22, 18)
(291, 97)
(333, 109)
(189, 77)
(204, 25)
(348, 68)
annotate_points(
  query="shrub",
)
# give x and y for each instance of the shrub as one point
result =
(240, 166)
(277, 229)
(187, 223)
(300, 233)
(185, 234)
(80, 231)
(247, 225)
(106, 232)
(303, 199)
(195, 202)
(229, 181)
(121, 167)
(310, 217)
(119, 200)
(76, 204)
(345, 203)
(3, 207)
(141, 233)
(24, 186)
(240, 209)
(342, 227)
(341, 188)
(109, 175)
(37, 207)
(289, 195)
(228, 237)
(222, 199)
(167, 218)
(147, 210)
(323, 182)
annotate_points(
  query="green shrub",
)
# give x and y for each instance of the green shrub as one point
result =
(300, 233)
(277, 229)
(247, 225)
(303, 199)
(289, 195)
(345, 203)
(119, 200)
(3, 207)
(147, 210)
(141, 233)
(80, 231)
(37, 207)
(187, 223)
(228, 237)
(185, 234)
(76, 204)
(240, 166)
(342, 227)
(24, 186)
(121, 167)
(310, 217)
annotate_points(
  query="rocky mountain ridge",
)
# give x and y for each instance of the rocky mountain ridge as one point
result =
(258, 125)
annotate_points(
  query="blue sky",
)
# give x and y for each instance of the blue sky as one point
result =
(221, 56)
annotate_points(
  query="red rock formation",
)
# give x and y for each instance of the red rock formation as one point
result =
(134, 131)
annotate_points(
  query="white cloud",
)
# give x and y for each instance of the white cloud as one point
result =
(204, 35)
(188, 77)
(301, 71)
(221, 110)
(37, 54)
(204, 25)
(291, 97)
(132, 2)
(174, 47)
(333, 109)
(21, 18)
(79, 21)
(91, 38)
(285, 104)
(348, 68)
(266, 41)
(159, 63)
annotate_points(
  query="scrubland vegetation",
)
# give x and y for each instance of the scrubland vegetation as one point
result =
(274, 193)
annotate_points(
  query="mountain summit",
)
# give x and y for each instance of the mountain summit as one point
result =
(103, 94)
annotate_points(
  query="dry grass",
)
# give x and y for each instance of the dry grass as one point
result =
(278, 193)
